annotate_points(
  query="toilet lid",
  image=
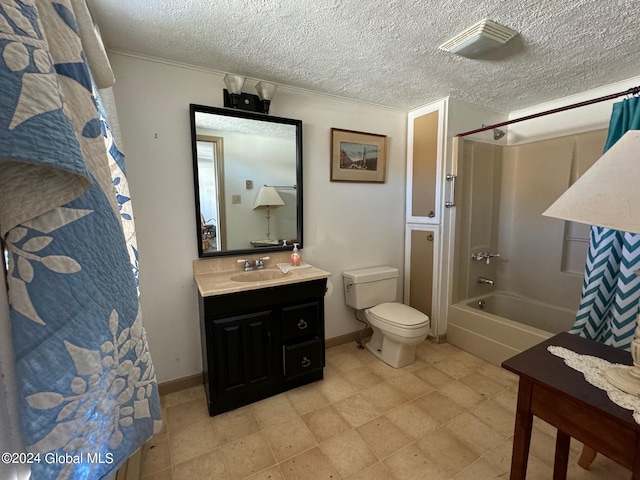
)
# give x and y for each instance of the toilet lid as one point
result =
(399, 314)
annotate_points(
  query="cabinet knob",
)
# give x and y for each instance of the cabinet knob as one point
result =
(431, 214)
(302, 324)
(430, 237)
(305, 362)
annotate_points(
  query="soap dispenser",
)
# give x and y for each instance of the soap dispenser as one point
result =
(295, 256)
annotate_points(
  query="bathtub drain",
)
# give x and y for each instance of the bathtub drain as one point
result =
(481, 304)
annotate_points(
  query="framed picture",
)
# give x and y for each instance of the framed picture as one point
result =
(358, 156)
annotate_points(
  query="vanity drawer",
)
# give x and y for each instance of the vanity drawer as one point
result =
(302, 358)
(301, 321)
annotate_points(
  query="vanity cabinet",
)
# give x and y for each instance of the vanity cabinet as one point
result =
(261, 342)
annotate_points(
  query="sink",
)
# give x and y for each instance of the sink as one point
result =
(257, 276)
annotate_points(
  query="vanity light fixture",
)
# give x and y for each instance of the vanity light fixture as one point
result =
(235, 98)
(608, 195)
(268, 198)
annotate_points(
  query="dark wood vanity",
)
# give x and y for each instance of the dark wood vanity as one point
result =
(260, 342)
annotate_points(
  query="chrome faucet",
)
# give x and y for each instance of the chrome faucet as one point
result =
(255, 264)
(486, 281)
(484, 255)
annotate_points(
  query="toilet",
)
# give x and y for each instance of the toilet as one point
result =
(397, 328)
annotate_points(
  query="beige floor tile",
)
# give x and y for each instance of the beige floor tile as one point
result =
(186, 414)
(235, 424)
(383, 437)
(345, 361)
(416, 365)
(454, 366)
(429, 353)
(156, 455)
(362, 378)
(192, 441)
(543, 445)
(413, 421)
(411, 386)
(501, 458)
(460, 393)
(410, 463)
(385, 371)
(434, 377)
(482, 384)
(247, 456)
(271, 473)
(307, 398)
(601, 469)
(477, 435)
(309, 465)
(377, 471)
(357, 410)
(336, 388)
(500, 375)
(348, 453)
(508, 399)
(439, 406)
(481, 469)
(184, 396)
(495, 415)
(289, 438)
(325, 423)
(446, 348)
(384, 396)
(274, 410)
(209, 466)
(447, 451)
(166, 474)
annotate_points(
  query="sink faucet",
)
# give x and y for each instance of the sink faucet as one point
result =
(255, 264)
(486, 281)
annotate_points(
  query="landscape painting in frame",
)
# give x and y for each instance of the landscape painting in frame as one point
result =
(358, 156)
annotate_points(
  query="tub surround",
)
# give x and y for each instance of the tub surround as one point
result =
(213, 276)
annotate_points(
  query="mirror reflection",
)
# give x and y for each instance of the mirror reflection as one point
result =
(247, 173)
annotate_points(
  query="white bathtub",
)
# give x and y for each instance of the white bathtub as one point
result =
(506, 326)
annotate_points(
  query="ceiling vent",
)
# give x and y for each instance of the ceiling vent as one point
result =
(479, 38)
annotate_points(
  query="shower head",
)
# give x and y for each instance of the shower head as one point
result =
(497, 133)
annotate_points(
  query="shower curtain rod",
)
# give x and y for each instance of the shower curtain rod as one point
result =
(631, 91)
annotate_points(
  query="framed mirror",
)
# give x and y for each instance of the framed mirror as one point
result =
(247, 170)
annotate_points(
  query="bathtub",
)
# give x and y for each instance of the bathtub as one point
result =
(507, 325)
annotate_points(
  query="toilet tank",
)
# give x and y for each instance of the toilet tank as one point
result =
(368, 287)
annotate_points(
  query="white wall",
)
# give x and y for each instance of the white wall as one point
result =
(346, 225)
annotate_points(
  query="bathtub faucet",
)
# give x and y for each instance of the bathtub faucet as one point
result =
(486, 281)
(484, 255)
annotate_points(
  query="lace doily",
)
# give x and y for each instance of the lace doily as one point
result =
(593, 369)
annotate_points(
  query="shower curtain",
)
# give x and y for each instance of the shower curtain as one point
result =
(609, 305)
(87, 390)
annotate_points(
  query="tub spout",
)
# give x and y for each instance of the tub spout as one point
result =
(486, 281)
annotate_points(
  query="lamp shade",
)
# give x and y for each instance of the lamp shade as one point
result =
(234, 83)
(266, 90)
(268, 197)
(608, 194)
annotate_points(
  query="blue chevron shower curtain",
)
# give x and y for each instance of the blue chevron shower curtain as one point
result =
(611, 289)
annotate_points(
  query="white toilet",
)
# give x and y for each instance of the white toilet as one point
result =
(397, 328)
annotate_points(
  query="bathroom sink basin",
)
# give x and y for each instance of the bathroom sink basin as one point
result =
(257, 276)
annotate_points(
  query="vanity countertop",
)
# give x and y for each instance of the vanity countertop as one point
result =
(214, 276)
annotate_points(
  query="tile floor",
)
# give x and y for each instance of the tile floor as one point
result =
(449, 415)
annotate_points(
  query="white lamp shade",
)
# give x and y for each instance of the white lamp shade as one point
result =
(268, 197)
(266, 90)
(234, 83)
(608, 194)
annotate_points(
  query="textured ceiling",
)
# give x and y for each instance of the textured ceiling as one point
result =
(386, 52)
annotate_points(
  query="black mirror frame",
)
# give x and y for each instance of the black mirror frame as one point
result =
(193, 108)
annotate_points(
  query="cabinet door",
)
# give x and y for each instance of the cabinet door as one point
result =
(420, 265)
(243, 351)
(424, 163)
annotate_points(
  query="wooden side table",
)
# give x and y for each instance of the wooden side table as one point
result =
(560, 395)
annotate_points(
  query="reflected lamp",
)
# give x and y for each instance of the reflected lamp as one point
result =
(608, 195)
(267, 199)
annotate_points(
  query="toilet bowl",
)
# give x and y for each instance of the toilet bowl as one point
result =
(397, 328)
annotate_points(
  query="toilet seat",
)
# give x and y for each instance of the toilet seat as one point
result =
(398, 315)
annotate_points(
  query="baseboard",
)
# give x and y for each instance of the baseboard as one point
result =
(346, 338)
(180, 384)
